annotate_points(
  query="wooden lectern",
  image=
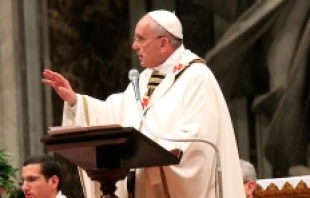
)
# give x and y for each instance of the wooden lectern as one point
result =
(107, 153)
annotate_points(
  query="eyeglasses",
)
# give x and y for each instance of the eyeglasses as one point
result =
(140, 40)
(30, 179)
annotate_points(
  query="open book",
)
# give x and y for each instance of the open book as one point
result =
(57, 130)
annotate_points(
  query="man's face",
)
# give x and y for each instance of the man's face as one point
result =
(147, 44)
(35, 185)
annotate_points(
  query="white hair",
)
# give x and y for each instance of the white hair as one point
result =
(160, 31)
(248, 171)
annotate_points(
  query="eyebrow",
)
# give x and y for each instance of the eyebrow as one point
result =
(31, 176)
(138, 35)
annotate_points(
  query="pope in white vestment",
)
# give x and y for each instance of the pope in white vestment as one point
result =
(189, 106)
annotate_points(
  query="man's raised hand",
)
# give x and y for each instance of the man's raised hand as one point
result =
(61, 85)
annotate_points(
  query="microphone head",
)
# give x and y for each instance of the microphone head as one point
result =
(133, 74)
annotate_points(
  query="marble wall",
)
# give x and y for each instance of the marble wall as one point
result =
(21, 115)
(198, 28)
(89, 45)
(9, 84)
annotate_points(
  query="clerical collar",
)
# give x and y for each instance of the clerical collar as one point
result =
(171, 61)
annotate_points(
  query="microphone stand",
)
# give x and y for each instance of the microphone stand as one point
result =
(218, 168)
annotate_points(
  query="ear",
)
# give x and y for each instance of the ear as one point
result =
(165, 42)
(54, 181)
(250, 187)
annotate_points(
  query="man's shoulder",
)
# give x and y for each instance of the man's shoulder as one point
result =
(198, 73)
(200, 69)
(188, 56)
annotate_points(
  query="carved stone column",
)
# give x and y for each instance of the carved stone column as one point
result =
(10, 89)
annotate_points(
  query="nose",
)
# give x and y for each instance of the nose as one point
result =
(25, 186)
(135, 46)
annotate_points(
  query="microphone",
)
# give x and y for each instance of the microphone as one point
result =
(134, 78)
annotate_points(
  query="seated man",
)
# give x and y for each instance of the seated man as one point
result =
(249, 178)
(41, 177)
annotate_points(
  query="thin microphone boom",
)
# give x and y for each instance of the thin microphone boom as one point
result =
(218, 176)
(134, 78)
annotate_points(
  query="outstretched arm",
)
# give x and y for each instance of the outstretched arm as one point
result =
(61, 85)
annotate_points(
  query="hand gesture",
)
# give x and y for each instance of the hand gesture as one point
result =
(61, 85)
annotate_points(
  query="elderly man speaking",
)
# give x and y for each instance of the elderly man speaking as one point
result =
(180, 99)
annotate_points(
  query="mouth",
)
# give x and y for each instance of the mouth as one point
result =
(28, 195)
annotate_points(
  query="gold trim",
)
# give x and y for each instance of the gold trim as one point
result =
(80, 171)
(272, 191)
(85, 105)
(86, 113)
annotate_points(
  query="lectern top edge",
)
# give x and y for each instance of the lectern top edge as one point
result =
(110, 147)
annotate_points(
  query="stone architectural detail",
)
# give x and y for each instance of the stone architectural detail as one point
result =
(9, 84)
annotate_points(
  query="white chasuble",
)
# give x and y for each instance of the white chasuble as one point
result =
(191, 106)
